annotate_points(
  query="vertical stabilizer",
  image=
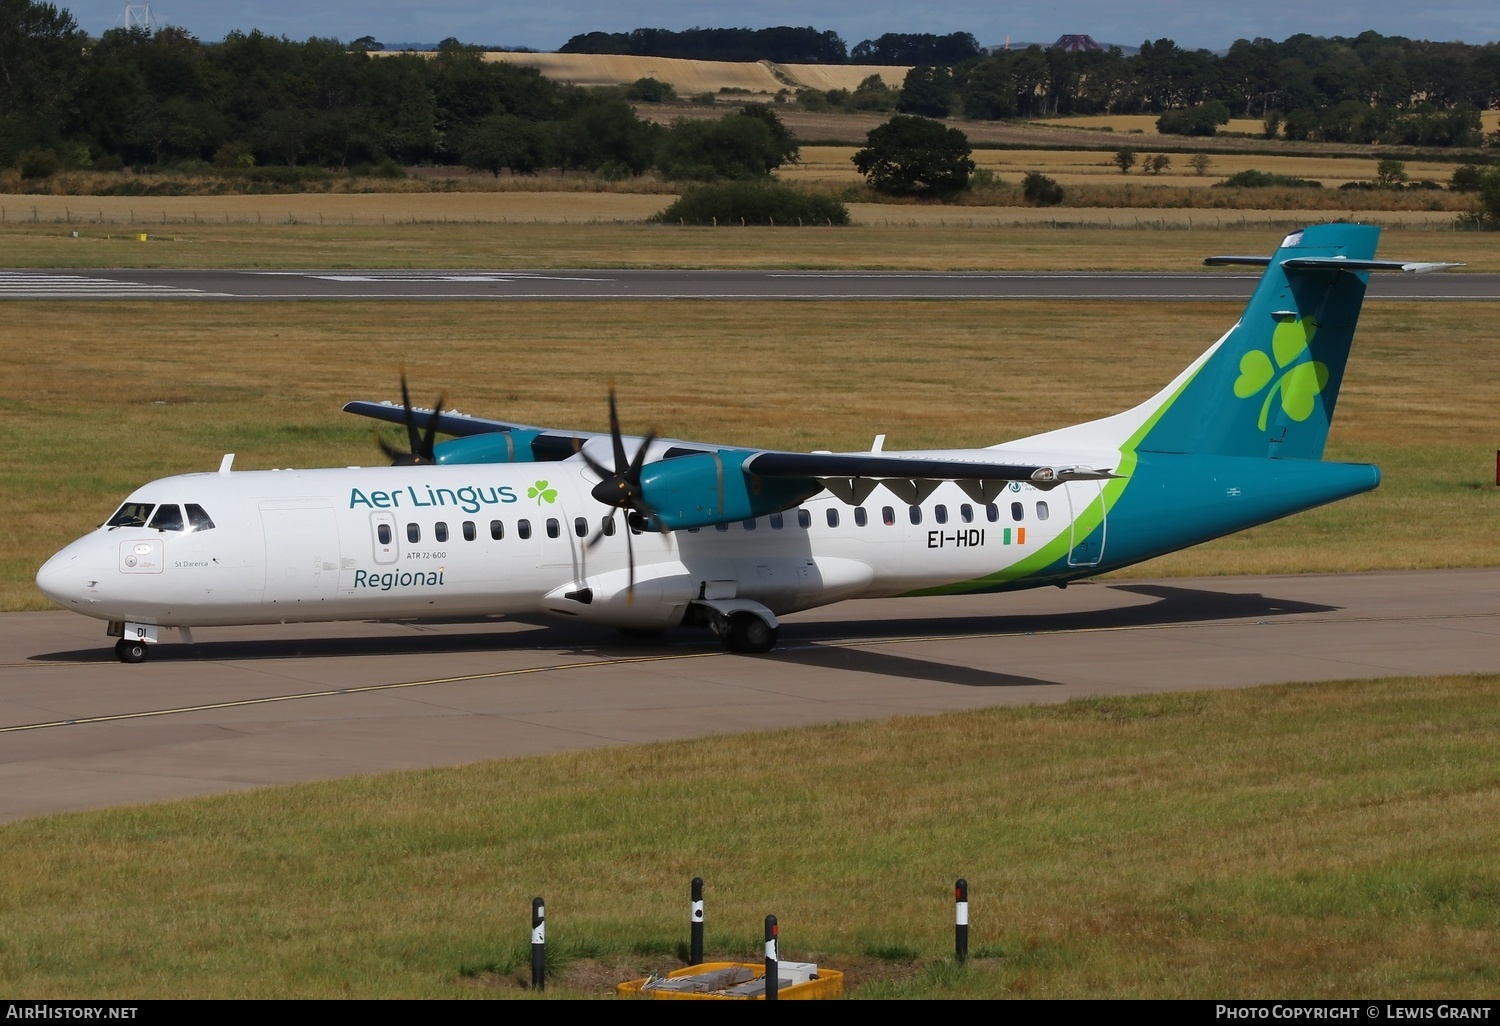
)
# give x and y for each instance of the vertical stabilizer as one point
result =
(1270, 386)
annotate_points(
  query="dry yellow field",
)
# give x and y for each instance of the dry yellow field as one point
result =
(1143, 124)
(694, 77)
(1083, 167)
(145, 212)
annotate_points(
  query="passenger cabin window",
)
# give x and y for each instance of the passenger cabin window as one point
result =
(553, 527)
(1042, 512)
(748, 525)
(721, 527)
(523, 529)
(991, 512)
(915, 512)
(497, 530)
(440, 531)
(861, 518)
(940, 513)
(966, 513)
(608, 527)
(581, 526)
(132, 514)
(1017, 512)
(168, 518)
(383, 532)
(469, 531)
(804, 519)
(198, 519)
(888, 515)
(413, 533)
(777, 521)
(833, 517)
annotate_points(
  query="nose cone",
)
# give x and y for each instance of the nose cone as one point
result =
(71, 578)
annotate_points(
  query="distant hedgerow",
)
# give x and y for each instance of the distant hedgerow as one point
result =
(762, 203)
(1253, 179)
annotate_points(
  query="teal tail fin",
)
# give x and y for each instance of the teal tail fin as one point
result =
(1270, 386)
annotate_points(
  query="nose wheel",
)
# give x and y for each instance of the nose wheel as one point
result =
(130, 651)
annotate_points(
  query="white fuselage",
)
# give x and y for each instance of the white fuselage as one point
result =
(392, 542)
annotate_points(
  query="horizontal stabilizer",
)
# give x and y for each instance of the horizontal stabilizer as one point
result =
(1333, 263)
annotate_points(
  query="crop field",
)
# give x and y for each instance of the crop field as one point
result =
(188, 382)
(1079, 167)
(760, 78)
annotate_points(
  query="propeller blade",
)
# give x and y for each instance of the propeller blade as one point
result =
(413, 439)
(427, 452)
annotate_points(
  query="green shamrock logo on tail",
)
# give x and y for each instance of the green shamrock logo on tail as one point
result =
(1299, 383)
(541, 493)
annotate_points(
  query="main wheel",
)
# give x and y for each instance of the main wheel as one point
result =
(749, 633)
(130, 651)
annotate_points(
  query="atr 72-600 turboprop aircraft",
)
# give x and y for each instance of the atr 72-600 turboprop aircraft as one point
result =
(509, 518)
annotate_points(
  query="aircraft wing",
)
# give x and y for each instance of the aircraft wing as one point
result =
(546, 443)
(852, 476)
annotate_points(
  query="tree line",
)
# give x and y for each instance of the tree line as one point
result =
(138, 98)
(783, 44)
(1370, 88)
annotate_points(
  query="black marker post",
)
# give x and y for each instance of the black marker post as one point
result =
(961, 921)
(538, 944)
(695, 945)
(773, 959)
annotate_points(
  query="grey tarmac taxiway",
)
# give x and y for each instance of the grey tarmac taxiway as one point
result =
(257, 706)
(252, 285)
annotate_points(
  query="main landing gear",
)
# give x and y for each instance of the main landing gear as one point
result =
(130, 651)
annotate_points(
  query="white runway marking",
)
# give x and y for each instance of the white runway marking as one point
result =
(30, 285)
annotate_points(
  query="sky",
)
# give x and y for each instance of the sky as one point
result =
(546, 26)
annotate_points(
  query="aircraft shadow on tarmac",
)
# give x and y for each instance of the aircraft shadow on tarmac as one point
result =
(1172, 606)
(802, 643)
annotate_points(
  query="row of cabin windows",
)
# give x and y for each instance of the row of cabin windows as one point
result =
(776, 521)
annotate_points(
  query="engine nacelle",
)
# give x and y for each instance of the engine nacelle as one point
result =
(710, 488)
(490, 447)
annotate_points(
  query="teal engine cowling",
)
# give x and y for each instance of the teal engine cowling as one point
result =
(490, 447)
(711, 488)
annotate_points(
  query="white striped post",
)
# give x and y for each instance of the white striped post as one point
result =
(538, 944)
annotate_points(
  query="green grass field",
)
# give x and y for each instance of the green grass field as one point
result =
(1301, 841)
(932, 238)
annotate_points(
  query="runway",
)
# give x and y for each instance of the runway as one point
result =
(250, 707)
(246, 285)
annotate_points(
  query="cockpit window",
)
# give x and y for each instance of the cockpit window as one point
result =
(132, 514)
(198, 520)
(168, 517)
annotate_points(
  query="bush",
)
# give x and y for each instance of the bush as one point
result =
(1253, 179)
(754, 203)
(1201, 120)
(650, 90)
(1040, 190)
(38, 163)
(1466, 178)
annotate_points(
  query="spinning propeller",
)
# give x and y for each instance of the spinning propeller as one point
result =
(420, 452)
(621, 487)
